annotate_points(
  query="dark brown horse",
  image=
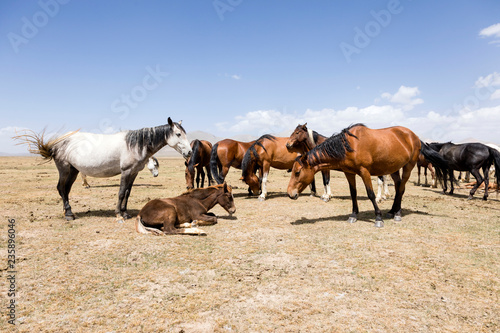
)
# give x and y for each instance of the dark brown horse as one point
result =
(268, 151)
(468, 157)
(423, 163)
(182, 215)
(225, 154)
(358, 150)
(301, 141)
(199, 159)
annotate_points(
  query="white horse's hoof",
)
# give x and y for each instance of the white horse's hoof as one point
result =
(261, 198)
(325, 198)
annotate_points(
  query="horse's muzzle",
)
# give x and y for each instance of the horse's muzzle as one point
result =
(294, 195)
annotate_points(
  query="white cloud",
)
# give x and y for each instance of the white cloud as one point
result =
(490, 80)
(495, 95)
(236, 77)
(492, 30)
(405, 97)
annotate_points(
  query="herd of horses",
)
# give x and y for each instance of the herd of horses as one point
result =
(356, 150)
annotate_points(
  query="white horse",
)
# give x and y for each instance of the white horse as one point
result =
(106, 155)
(153, 166)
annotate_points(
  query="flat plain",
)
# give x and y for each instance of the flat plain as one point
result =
(274, 266)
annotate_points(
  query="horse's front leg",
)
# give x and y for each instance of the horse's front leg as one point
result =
(367, 180)
(206, 219)
(126, 182)
(326, 183)
(351, 178)
(263, 186)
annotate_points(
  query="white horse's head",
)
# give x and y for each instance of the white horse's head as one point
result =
(153, 166)
(178, 139)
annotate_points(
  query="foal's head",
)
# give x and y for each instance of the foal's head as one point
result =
(226, 199)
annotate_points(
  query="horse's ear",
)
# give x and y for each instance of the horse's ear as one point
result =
(303, 159)
(180, 122)
(225, 187)
(170, 122)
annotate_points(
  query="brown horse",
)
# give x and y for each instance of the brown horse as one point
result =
(358, 150)
(225, 154)
(182, 215)
(301, 141)
(423, 163)
(268, 151)
(199, 159)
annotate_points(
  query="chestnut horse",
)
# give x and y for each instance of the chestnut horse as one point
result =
(423, 163)
(358, 150)
(200, 158)
(225, 154)
(268, 151)
(301, 141)
(182, 215)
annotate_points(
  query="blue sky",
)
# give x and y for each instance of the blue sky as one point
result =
(231, 67)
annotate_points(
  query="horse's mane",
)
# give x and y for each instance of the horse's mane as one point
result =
(335, 146)
(194, 156)
(438, 145)
(149, 137)
(201, 193)
(251, 157)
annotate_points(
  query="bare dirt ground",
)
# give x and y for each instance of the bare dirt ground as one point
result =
(276, 266)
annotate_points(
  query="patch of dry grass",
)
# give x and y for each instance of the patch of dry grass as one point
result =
(278, 265)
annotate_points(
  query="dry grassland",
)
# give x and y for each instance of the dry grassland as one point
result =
(276, 266)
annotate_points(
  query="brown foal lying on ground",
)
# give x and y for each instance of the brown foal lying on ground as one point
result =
(182, 214)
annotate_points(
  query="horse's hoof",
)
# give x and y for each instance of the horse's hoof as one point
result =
(470, 197)
(397, 218)
(379, 224)
(262, 198)
(325, 199)
(70, 217)
(352, 219)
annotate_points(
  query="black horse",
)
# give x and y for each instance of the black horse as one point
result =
(468, 157)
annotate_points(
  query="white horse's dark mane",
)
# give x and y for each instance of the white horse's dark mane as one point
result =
(150, 138)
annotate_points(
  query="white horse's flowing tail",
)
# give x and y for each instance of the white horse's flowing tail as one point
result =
(142, 229)
(37, 145)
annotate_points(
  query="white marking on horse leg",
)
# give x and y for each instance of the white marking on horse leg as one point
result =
(263, 186)
(386, 188)
(379, 190)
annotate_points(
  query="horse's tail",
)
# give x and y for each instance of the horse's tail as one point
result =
(37, 144)
(249, 162)
(440, 164)
(142, 229)
(214, 164)
(496, 160)
(193, 160)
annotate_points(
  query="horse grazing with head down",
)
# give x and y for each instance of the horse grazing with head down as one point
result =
(268, 151)
(225, 154)
(358, 150)
(106, 155)
(181, 215)
(468, 157)
(200, 158)
(303, 140)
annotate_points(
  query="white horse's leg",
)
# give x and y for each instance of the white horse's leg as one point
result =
(263, 193)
